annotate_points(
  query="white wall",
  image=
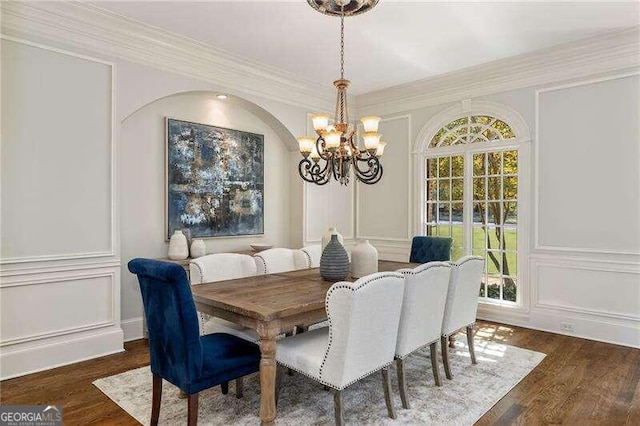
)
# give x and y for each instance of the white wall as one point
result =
(142, 180)
(582, 260)
(60, 287)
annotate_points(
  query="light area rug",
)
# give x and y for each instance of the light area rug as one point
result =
(461, 401)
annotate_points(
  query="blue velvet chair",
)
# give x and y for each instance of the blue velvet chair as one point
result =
(430, 249)
(178, 353)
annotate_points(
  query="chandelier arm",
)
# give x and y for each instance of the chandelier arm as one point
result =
(371, 176)
(372, 162)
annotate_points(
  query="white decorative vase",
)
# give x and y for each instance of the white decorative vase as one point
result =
(198, 248)
(178, 248)
(326, 237)
(364, 260)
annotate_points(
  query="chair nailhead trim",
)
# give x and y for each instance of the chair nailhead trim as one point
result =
(263, 262)
(308, 257)
(435, 265)
(326, 307)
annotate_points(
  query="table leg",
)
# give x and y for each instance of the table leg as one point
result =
(267, 379)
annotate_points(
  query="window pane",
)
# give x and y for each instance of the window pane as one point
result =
(494, 189)
(444, 190)
(457, 213)
(493, 287)
(493, 213)
(444, 214)
(492, 238)
(478, 164)
(479, 213)
(430, 213)
(494, 263)
(432, 190)
(456, 189)
(432, 168)
(511, 238)
(509, 290)
(494, 163)
(510, 213)
(479, 189)
(510, 159)
(457, 166)
(510, 187)
(509, 264)
(443, 167)
(444, 230)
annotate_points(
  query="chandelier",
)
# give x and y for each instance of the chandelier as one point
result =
(335, 152)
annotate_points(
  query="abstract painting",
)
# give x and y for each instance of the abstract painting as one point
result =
(215, 180)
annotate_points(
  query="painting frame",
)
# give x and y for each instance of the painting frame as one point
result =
(168, 229)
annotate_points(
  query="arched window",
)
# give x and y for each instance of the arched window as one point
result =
(469, 172)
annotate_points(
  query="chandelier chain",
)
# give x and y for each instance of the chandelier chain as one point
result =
(342, 42)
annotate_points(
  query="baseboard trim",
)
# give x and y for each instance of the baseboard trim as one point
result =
(20, 362)
(621, 333)
(133, 329)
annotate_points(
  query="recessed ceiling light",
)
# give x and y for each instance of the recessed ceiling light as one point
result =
(221, 97)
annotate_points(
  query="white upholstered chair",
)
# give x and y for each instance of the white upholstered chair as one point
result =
(219, 267)
(279, 259)
(462, 304)
(360, 340)
(425, 295)
(314, 253)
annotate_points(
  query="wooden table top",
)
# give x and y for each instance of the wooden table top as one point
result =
(273, 296)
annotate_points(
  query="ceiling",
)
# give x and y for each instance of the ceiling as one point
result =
(397, 42)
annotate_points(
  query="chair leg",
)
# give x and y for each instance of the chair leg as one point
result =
(472, 350)
(337, 401)
(183, 394)
(192, 411)
(433, 349)
(445, 357)
(386, 385)
(402, 385)
(156, 399)
(452, 341)
(239, 387)
(224, 387)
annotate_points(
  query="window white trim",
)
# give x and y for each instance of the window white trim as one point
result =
(421, 151)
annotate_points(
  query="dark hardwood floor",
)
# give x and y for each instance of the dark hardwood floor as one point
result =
(580, 382)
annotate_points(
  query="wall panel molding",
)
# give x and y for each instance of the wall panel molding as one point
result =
(539, 244)
(113, 237)
(409, 185)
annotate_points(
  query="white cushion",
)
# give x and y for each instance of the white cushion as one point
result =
(304, 352)
(462, 297)
(425, 295)
(314, 253)
(219, 325)
(280, 259)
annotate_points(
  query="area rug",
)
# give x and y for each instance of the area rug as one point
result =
(461, 401)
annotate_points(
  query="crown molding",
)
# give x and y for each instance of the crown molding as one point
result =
(75, 25)
(595, 55)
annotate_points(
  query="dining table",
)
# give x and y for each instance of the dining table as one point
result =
(272, 304)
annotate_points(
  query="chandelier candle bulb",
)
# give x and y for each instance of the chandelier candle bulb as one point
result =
(380, 150)
(320, 121)
(371, 141)
(332, 139)
(315, 155)
(370, 123)
(306, 145)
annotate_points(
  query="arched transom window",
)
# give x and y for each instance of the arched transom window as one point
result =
(472, 129)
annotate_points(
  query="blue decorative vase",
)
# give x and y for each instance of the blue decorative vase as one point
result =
(334, 263)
